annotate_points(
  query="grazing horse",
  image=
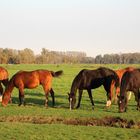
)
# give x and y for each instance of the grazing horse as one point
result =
(120, 73)
(30, 79)
(3, 79)
(130, 82)
(91, 79)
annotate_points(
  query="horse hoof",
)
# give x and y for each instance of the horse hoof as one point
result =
(46, 105)
(77, 107)
(4, 105)
(108, 104)
(138, 108)
(10, 102)
(107, 107)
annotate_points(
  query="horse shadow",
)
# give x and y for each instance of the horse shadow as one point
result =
(38, 94)
(61, 101)
(32, 100)
(29, 101)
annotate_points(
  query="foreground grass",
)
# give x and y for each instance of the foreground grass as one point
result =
(19, 131)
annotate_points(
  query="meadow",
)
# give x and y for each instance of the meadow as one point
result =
(35, 122)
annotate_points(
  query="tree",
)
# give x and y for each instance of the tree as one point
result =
(26, 56)
(98, 59)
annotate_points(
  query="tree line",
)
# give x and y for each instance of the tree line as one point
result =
(27, 56)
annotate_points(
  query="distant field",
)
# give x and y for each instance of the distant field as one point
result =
(34, 121)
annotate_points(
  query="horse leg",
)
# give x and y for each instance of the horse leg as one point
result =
(108, 103)
(111, 91)
(21, 97)
(5, 83)
(138, 102)
(129, 93)
(117, 92)
(1, 89)
(91, 99)
(1, 92)
(137, 98)
(47, 89)
(52, 95)
(79, 98)
(47, 99)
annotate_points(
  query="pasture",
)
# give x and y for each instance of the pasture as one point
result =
(35, 122)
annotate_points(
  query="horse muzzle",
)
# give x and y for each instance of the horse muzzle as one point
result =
(122, 110)
(3, 104)
(71, 104)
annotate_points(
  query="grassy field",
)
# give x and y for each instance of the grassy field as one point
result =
(34, 121)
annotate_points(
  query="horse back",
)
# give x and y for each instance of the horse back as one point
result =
(90, 79)
(120, 72)
(31, 79)
(25, 79)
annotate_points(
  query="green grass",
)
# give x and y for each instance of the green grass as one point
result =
(19, 131)
(35, 107)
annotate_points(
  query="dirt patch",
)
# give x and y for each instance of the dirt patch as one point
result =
(106, 121)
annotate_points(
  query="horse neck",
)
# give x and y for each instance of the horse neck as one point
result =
(123, 88)
(74, 87)
(5, 82)
(10, 86)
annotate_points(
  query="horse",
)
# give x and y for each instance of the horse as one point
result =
(120, 73)
(130, 82)
(91, 79)
(3, 79)
(30, 80)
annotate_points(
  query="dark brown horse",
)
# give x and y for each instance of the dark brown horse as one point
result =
(130, 82)
(91, 79)
(30, 79)
(3, 78)
(120, 73)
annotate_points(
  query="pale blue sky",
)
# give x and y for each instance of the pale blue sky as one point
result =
(93, 26)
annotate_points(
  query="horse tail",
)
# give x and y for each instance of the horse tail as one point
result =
(57, 73)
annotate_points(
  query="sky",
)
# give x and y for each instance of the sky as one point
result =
(91, 26)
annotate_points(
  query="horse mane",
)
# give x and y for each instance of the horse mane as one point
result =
(76, 82)
(123, 83)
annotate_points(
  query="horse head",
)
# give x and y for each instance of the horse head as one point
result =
(5, 98)
(122, 103)
(72, 100)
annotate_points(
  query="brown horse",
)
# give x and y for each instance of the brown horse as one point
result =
(130, 82)
(120, 73)
(30, 79)
(3, 78)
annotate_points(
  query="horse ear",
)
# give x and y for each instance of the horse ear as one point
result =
(68, 93)
(118, 96)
